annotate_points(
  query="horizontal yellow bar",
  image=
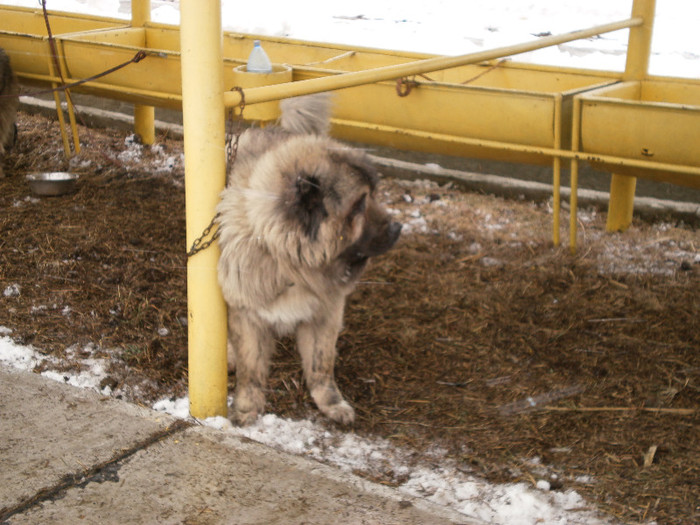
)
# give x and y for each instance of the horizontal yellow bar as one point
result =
(169, 99)
(369, 76)
(521, 148)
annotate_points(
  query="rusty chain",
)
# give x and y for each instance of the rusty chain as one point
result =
(404, 86)
(232, 140)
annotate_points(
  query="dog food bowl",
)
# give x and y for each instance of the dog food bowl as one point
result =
(52, 183)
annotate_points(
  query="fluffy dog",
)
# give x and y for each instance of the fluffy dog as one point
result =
(298, 223)
(9, 102)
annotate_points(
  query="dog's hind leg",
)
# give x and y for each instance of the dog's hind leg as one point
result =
(252, 345)
(316, 341)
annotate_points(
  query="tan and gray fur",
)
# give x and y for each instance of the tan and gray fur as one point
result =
(298, 222)
(9, 102)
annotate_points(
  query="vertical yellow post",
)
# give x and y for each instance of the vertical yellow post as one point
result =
(144, 116)
(556, 171)
(59, 109)
(621, 205)
(573, 202)
(622, 187)
(201, 43)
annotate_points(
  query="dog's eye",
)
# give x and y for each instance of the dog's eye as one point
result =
(359, 207)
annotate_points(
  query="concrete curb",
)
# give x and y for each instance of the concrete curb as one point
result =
(71, 455)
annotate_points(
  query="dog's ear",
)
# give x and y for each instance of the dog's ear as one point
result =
(360, 164)
(309, 208)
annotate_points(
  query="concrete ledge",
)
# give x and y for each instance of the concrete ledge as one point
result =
(73, 456)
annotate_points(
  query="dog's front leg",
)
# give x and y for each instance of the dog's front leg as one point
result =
(316, 340)
(252, 344)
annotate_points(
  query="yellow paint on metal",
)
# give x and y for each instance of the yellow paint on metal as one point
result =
(656, 121)
(144, 116)
(154, 80)
(59, 110)
(145, 123)
(639, 46)
(265, 111)
(556, 171)
(69, 105)
(622, 188)
(573, 199)
(205, 167)
(23, 35)
(417, 137)
(358, 78)
(621, 205)
(140, 12)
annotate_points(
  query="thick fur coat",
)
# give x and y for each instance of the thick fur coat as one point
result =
(9, 102)
(298, 223)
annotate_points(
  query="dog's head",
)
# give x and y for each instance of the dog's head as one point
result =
(326, 214)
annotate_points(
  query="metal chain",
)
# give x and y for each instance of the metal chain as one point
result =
(404, 86)
(232, 140)
(200, 244)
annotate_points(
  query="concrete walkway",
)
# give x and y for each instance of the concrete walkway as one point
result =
(69, 455)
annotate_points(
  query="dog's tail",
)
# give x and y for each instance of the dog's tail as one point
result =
(310, 114)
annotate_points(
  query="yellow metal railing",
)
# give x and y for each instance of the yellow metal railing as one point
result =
(346, 80)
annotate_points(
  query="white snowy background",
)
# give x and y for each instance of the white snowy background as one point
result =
(450, 27)
(443, 27)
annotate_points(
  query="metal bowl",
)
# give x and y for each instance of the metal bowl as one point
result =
(52, 183)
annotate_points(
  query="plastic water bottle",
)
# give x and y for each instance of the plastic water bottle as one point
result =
(258, 61)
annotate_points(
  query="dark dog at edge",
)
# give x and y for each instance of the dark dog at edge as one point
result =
(9, 102)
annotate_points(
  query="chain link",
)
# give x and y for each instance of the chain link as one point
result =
(232, 140)
(200, 244)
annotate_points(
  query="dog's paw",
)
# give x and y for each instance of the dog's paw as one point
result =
(341, 413)
(248, 405)
(246, 418)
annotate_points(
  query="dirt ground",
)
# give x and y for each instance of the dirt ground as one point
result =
(475, 335)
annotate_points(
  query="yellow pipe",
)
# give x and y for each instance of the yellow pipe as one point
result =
(369, 76)
(145, 123)
(59, 108)
(621, 204)
(575, 144)
(140, 12)
(639, 44)
(69, 101)
(522, 148)
(622, 187)
(205, 175)
(556, 170)
(144, 116)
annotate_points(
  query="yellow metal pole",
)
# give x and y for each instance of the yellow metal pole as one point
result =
(369, 76)
(556, 170)
(59, 109)
(639, 46)
(69, 102)
(205, 174)
(575, 144)
(621, 205)
(144, 116)
(622, 187)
